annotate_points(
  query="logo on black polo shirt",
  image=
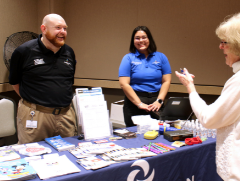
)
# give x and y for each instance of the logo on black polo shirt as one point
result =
(67, 62)
(38, 61)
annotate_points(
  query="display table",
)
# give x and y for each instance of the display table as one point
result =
(185, 162)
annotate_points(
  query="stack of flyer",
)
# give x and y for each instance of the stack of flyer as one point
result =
(89, 149)
(16, 170)
(59, 143)
(110, 160)
(79, 153)
(7, 154)
(100, 148)
(92, 163)
(34, 149)
(53, 165)
(93, 113)
(129, 154)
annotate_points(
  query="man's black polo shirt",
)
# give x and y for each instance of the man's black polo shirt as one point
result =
(45, 78)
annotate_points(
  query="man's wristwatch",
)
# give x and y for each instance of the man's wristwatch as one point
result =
(160, 101)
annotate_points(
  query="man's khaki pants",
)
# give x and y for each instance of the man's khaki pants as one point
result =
(48, 125)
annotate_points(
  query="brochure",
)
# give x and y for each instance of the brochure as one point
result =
(93, 113)
(53, 167)
(108, 159)
(129, 154)
(79, 153)
(16, 170)
(99, 148)
(59, 143)
(34, 151)
(18, 147)
(92, 163)
(8, 154)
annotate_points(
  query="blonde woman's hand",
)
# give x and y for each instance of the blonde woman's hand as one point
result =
(186, 79)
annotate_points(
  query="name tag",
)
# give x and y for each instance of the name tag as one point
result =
(31, 124)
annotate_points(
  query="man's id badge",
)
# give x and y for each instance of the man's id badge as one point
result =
(31, 124)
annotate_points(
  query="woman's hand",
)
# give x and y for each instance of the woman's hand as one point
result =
(186, 79)
(144, 107)
(154, 106)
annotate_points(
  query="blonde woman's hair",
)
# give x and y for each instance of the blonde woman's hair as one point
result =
(229, 31)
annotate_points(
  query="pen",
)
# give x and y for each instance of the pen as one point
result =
(149, 146)
(152, 150)
(165, 146)
(181, 70)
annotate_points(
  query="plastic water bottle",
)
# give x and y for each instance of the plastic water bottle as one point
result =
(197, 130)
(205, 132)
(189, 127)
(196, 122)
(183, 125)
(201, 132)
(214, 133)
(209, 133)
(194, 131)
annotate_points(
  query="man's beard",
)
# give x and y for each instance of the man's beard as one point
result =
(54, 40)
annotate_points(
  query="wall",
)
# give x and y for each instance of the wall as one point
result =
(100, 31)
(15, 16)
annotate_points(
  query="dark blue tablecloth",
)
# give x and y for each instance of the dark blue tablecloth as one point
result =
(195, 160)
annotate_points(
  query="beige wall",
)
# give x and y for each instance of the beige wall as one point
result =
(15, 16)
(23, 15)
(100, 31)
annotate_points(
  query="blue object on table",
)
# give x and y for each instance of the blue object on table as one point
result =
(161, 129)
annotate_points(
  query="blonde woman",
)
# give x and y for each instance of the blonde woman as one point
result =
(224, 113)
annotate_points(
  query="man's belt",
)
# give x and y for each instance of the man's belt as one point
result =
(49, 110)
(147, 94)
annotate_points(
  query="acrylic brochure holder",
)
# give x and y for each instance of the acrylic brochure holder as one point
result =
(92, 113)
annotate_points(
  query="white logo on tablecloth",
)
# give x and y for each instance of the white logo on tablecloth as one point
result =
(145, 166)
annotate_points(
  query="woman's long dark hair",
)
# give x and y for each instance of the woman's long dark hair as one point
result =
(152, 46)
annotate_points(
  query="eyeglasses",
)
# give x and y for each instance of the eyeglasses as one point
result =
(223, 42)
(139, 38)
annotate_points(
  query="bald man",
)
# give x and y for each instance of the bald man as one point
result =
(42, 74)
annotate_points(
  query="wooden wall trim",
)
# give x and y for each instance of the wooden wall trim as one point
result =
(5, 87)
(210, 90)
(97, 83)
(114, 84)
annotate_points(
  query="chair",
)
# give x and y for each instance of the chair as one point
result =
(8, 112)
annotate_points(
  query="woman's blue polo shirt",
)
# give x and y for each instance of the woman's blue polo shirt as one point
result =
(145, 73)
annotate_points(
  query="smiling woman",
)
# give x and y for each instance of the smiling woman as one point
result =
(141, 42)
(144, 76)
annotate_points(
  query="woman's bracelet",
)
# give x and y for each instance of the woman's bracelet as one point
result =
(140, 104)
